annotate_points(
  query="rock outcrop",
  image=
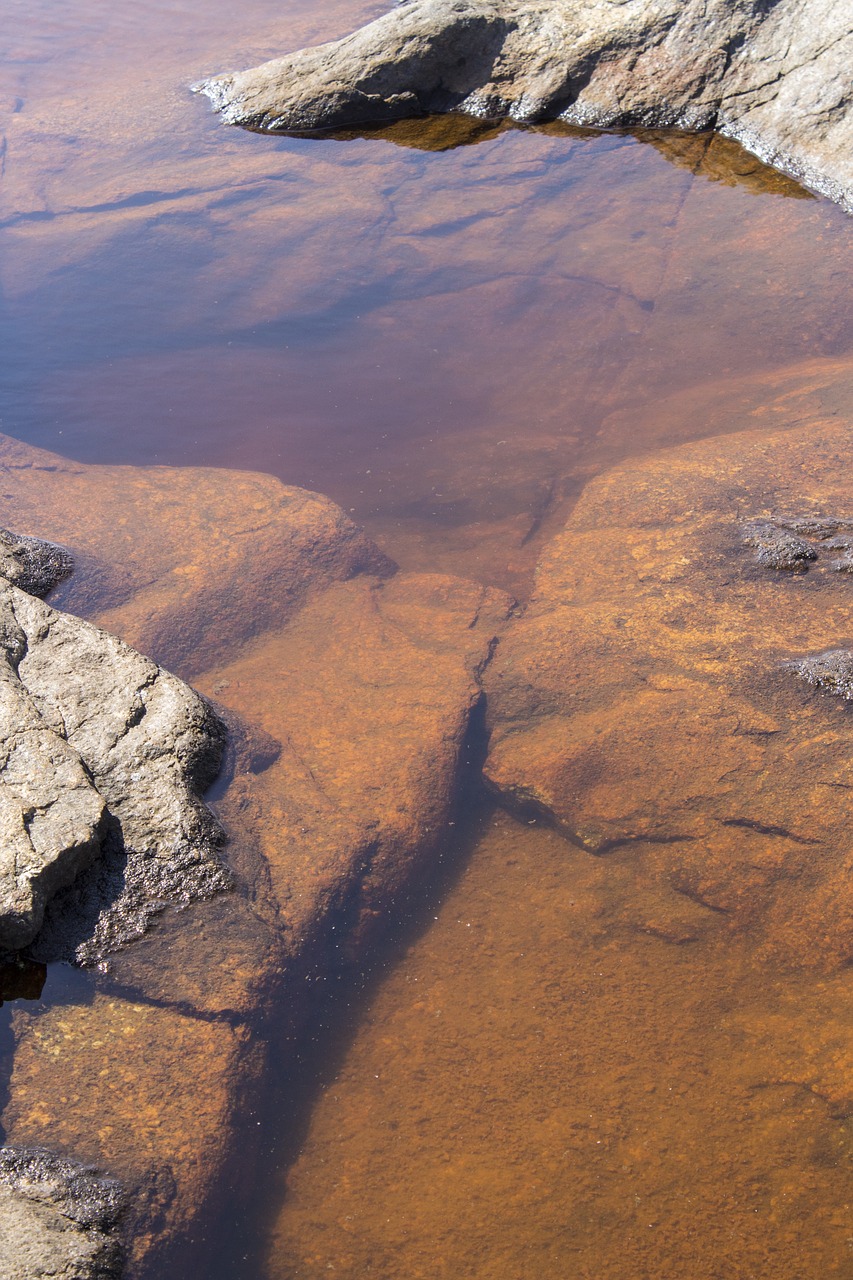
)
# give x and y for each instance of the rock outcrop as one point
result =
(58, 1220)
(668, 695)
(774, 76)
(104, 755)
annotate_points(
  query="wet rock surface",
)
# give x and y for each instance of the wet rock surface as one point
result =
(32, 564)
(372, 726)
(774, 77)
(646, 702)
(831, 671)
(58, 1220)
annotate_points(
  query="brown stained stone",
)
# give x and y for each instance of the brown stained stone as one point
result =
(182, 563)
(369, 690)
(644, 699)
(146, 1092)
(532, 1092)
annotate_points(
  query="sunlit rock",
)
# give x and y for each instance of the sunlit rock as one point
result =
(104, 754)
(776, 80)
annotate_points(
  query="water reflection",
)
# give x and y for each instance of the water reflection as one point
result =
(708, 155)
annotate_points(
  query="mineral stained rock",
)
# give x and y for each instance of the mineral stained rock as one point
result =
(104, 756)
(649, 703)
(58, 1220)
(373, 725)
(181, 562)
(775, 76)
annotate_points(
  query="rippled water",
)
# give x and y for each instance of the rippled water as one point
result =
(448, 330)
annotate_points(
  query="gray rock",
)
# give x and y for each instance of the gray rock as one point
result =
(777, 547)
(58, 1220)
(831, 671)
(32, 564)
(774, 74)
(102, 757)
(52, 818)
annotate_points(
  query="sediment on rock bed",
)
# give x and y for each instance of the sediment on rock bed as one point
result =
(668, 690)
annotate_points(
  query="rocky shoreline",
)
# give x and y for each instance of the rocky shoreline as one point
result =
(774, 77)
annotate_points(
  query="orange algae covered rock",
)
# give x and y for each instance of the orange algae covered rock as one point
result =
(654, 693)
(181, 562)
(148, 1092)
(370, 691)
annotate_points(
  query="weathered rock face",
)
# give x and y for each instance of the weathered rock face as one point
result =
(103, 755)
(776, 77)
(58, 1220)
(668, 695)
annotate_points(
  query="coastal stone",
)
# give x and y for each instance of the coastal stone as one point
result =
(645, 700)
(52, 818)
(58, 1220)
(104, 755)
(775, 77)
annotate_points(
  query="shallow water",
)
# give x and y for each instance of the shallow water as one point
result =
(449, 340)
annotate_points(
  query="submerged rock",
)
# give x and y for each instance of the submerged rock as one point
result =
(58, 1220)
(182, 562)
(350, 695)
(642, 703)
(774, 77)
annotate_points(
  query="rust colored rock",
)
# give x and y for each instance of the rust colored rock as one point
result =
(350, 701)
(182, 563)
(775, 77)
(148, 1093)
(370, 691)
(648, 696)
